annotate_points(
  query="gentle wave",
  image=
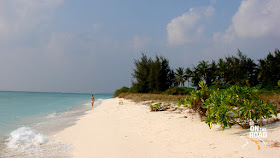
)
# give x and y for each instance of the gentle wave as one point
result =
(55, 114)
(98, 102)
(51, 115)
(26, 142)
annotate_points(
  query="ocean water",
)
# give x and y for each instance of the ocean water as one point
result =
(28, 119)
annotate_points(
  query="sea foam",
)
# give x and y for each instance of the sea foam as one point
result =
(25, 138)
(27, 143)
(51, 115)
(98, 101)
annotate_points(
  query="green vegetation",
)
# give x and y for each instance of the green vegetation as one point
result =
(238, 70)
(234, 90)
(234, 105)
(121, 90)
(156, 107)
(269, 70)
(152, 76)
(197, 98)
(180, 76)
(156, 76)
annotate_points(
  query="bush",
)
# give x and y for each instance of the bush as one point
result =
(133, 89)
(179, 91)
(156, 107)
(197, 98)
(214, 87)
(121, 90)
(235, 105)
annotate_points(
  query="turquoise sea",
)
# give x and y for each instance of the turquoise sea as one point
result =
(28, 119)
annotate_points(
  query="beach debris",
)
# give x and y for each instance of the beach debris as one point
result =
(275, 144)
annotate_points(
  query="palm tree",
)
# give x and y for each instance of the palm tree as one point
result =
(181, 78)
(188, 74)
(222, 71)
(204, 72)
(212, 73)
(203, 67)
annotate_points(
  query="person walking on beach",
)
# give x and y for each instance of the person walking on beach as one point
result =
(92, 100)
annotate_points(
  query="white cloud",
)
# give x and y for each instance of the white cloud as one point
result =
(186, 28)
(226, 37)
(254, 30)
(254, 19)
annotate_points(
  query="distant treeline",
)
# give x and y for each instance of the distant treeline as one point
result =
(156, 76)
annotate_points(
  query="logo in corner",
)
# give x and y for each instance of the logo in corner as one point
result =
(256, 132)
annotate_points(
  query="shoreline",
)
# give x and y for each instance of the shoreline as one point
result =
(131, 130)
(33, 137)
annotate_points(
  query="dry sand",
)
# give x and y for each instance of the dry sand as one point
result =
(131, 131)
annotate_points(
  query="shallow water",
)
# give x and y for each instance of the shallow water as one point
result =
(27, 119)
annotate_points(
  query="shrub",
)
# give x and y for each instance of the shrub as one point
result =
(235, 105)
(215, 87)
(197, 98)
(156, 107)
(178, 91)
(121, 90)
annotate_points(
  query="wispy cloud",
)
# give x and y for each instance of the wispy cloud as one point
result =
(20, 17)
(140, 42)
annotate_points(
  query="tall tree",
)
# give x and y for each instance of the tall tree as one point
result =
(200, 72)
(241, 70)
(141, 73)
(164, 76)
(172, 79)
(222, 71)
(188, 75)
(180, 75)
(205, 72)
(152, 75)
(211, 73)
(269, 72)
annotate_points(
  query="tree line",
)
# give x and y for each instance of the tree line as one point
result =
(152, 75)
(155, 75)
(239, 69)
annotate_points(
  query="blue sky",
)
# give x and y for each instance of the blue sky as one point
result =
(90, 45)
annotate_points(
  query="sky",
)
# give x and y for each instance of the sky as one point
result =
(89, 46)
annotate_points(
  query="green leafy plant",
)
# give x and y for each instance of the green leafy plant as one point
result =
(235, 105)
(197, 98)
(156, 107)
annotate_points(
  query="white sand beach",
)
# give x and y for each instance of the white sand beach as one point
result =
(130, 130)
